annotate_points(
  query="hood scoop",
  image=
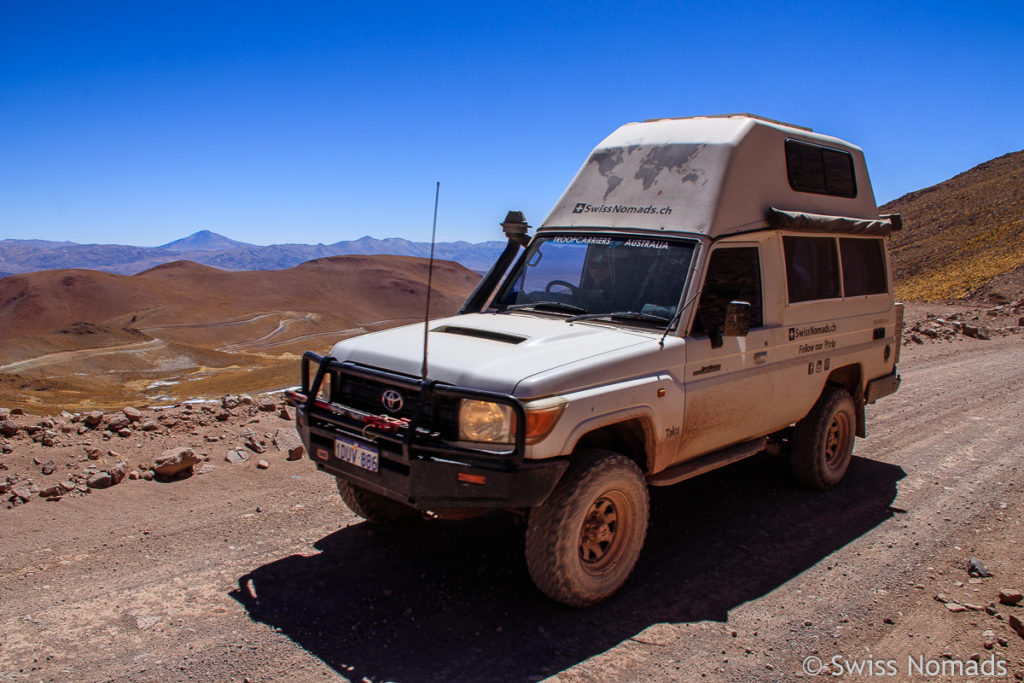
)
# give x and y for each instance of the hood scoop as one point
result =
(491, 335)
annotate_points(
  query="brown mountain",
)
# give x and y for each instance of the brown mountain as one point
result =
(77, 339)
(960, 235)
(349, 288)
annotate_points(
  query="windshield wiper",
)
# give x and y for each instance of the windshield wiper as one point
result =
(623, 315)
(548, 305)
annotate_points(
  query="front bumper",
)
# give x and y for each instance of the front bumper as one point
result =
(417, 462)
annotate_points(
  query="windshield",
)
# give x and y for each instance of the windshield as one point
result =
(592, 276)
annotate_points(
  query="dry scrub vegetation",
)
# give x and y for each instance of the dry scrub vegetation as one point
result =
(962, 233)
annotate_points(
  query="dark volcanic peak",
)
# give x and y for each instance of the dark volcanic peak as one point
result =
(204, 240)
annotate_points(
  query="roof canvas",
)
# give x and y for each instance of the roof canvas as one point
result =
(711, 175)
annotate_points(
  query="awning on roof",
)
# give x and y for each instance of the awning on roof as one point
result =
(814, 222)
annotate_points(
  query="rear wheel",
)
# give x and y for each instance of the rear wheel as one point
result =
(823, 441)
(373, 507)
(584, 540)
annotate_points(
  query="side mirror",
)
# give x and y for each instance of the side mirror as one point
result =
(737, 319)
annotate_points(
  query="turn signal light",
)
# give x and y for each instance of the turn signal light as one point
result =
(467, 478)
(541, 417)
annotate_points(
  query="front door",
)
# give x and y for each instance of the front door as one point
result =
(729, 388)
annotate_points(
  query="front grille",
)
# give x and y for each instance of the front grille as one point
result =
(367, 395)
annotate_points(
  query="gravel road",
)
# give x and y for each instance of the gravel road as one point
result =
(264, 576)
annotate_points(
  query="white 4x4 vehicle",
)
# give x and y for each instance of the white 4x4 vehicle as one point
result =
(705, 289)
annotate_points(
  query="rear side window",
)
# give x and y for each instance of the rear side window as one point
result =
(812, 268)
(821, 170)
(863, 266)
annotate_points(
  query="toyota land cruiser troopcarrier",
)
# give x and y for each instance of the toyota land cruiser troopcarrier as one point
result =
(705, 289)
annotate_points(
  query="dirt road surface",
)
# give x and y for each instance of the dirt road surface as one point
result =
(244, 574)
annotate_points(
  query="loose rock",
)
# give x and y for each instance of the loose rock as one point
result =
(53, 492)
(175, 461)
(133, 414)
(1010, 596)
(8, 428)
(118, 472)
(976, 568)
(100, 480)
(1017, 625)
(288, 440)
(22, 492)
(263, 464)
(236, 457)
(118, 422)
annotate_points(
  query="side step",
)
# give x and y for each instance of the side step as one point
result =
(706, 463)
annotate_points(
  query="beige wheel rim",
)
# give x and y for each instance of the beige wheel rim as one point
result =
(604, 531)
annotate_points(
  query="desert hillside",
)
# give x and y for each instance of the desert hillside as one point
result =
(962, 234)
(83, 338)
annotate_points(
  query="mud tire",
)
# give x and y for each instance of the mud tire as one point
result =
(823, 441)
(373, 507)
(584, 540)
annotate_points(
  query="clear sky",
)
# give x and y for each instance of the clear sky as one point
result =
(142, 122)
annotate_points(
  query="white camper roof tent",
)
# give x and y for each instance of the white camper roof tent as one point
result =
(721, 175)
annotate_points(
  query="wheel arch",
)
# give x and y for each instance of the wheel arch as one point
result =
(851, 378)
(632, 437)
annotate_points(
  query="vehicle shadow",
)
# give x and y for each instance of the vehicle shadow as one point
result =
(452, 601)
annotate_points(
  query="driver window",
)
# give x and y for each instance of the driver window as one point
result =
(734, 274)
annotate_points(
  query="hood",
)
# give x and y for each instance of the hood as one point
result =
(492, 351)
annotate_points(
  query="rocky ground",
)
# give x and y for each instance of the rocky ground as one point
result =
(152, 545)
(71, 455)
(981, 320)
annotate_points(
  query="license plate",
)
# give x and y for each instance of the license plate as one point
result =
(356, 453)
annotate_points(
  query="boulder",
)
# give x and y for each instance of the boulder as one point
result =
(8, 428)
(133, 414)
(100, 480)
(267, 405)
(93, 418)
(175, 461)
(118, 422)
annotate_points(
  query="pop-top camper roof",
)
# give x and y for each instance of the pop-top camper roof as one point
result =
(720, 175)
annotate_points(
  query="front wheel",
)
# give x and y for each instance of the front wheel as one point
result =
(584, 540)
(823, 441)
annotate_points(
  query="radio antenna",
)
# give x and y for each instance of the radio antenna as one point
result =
(430, 279)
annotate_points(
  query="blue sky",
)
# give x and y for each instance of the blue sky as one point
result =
(267, 122)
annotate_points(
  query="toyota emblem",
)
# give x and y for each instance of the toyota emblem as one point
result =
(392, 400)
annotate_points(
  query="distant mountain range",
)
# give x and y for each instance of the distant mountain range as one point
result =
(209, 248)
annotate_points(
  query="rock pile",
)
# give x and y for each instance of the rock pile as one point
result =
(1001, 320)
(70, 455)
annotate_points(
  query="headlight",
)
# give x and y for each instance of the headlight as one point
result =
(485, 421)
